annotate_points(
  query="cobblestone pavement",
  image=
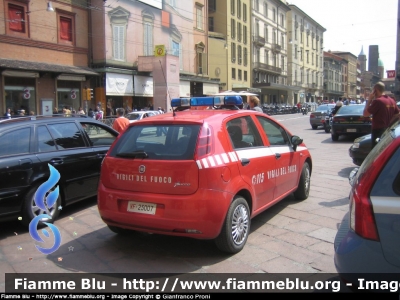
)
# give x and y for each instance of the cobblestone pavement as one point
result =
(291, 237)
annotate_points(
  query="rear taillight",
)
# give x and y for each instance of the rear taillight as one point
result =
(362, 219)
(338, 119)
(204, 142)
(312, 116)
(365, 119)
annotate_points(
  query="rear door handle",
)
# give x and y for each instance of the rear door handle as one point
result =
(101, 155)
(57, 161)
(277, 155)
(245, 161)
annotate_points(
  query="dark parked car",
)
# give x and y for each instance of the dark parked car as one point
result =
(360, 149)
(74, 146)
(368, 240)
(318, 116)
(349, 120)
(362, 146)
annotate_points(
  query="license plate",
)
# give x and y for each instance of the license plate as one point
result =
(318, 117)
(142, 208)
(351, 130)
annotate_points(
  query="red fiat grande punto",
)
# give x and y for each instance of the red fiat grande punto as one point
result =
(206, 176)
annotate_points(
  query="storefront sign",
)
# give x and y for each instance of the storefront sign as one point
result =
(184, 89)
(47, 107)
(119, 84)
(210, 88)
(143, 86)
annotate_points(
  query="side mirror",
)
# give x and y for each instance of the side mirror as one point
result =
(296, 140)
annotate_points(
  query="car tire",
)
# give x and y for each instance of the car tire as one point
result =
(335, 137)
(314, 126)
(303, 189)
(30, 210)
(327, 129)
(236, 227)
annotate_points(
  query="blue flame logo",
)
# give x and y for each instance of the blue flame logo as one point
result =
(51, 199)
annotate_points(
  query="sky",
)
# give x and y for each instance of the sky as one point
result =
(351, 24)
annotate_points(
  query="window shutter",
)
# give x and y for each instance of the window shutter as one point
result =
(15, 16)
(180, 57)
(119, 42)
(66, 29)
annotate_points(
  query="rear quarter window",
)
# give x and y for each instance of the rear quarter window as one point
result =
(178, 143)
(16, 141)
(388, 182)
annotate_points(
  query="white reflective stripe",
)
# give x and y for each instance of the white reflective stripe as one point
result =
(386, 205)
(211, 160)
(281, 149)
(233, 156)
(255, 152)
(301, 148)
(205, 163)
(199, 164)
(218, 159)
(225, 158)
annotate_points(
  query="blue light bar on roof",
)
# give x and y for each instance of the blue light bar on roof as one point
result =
(207, 101)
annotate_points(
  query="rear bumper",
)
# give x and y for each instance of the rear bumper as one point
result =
(203, 212)
(356, 257)
(351, 129)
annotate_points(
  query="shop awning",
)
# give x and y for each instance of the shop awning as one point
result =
(22, 65)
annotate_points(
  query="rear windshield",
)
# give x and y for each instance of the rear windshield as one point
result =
(351, 110)
(325, 107)
(170, 142)
(134, 116)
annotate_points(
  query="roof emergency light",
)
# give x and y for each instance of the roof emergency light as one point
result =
(207, 101)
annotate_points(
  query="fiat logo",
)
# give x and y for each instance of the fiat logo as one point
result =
(142, 169)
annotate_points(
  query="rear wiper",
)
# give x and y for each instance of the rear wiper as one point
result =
(138, 154)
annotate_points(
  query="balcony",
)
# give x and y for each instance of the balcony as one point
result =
(267, 68)
(276, 48)
(312, 86)
(258, 40)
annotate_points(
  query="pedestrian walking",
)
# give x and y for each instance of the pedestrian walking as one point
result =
(120, 123)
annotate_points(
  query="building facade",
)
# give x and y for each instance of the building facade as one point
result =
(230, 43)
(305, 57)
(350, 74)
(149, 52)
(269, 50)
(44, 56)
(334, 79)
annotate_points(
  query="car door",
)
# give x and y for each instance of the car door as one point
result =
(255, 159)
(16, 165)
(100, 137)
(287, 169)
(73, 158)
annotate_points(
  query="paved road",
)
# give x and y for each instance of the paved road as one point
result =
(291, 237)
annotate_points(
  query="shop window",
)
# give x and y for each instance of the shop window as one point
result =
(20, 95)
(17, 22)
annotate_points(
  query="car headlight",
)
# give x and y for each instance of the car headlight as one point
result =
(356, 145)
